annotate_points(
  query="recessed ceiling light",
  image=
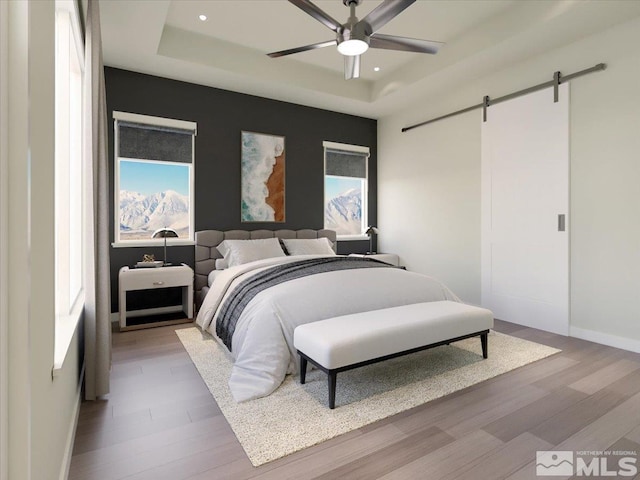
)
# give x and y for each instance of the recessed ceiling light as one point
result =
(202, 17)
(376, 69)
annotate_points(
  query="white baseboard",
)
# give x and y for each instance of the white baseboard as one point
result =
(605, 339)
(71, 436)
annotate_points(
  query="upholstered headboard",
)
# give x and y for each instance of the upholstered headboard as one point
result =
(208, 240)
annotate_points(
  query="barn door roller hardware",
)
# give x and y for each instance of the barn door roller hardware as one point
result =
(558, 79)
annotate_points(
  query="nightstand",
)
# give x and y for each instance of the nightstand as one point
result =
(131, 279)
(391, 258)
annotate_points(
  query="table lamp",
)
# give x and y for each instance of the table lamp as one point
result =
(165, 233)
(371, 231)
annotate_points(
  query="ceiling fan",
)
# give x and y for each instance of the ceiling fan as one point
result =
(354, 37)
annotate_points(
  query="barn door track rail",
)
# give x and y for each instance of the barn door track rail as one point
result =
(558, 79)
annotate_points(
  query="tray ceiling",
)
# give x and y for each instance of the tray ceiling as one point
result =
(228, 50)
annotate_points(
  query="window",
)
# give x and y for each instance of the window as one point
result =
(345, 189)
(69, 175)
(153, 178)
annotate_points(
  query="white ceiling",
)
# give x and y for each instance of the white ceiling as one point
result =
(228, 50)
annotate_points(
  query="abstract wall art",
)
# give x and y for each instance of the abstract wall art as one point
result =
(263, 178)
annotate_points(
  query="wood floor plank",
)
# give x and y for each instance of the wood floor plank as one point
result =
(123, 451)
(107, 423)
(146, 352)
(503, 460)
(623, 446)
(236, 470)
(125, 370)
(528, 375)
(214, 439)
(506, 327)
(313, 465)
(628, 385)
(161, 422)
(471, 419)
(570, 346)
(634, 435)
(87, 442)
(464, 405)
(596, 435)
(317, 451)
(605, 376)
(157, 395)
(390, 457)
(94, 411)
(447, 459)
(571, 420)
(197, 401)
(204, 411)
(192, 464)
(531, 415)
(607, 429)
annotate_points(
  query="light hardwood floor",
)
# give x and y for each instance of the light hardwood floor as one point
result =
(161, 422)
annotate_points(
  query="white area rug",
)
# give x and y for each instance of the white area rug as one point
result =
(296, 416)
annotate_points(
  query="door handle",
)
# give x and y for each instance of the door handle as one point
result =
(561, 222)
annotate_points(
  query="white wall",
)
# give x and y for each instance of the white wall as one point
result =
(429, 200)
(605, 190)
(41, 409)
(429, 181)
(18, 294)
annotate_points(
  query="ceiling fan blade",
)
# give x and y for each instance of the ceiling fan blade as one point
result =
(391, 42)
(351, 66)
(384, 13)
(317, 13)
(291, 51)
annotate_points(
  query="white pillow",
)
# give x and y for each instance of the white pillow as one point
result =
(221, 264)
(212, 276)
(308, 246)
(237, 252)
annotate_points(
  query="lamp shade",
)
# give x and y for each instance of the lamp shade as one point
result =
(165, 233)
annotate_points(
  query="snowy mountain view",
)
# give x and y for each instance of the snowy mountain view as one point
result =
(343, 213)
(141, 214)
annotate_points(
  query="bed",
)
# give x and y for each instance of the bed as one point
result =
(207, 253)
(253, 308)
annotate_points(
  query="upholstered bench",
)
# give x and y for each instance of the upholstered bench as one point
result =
(342, 343)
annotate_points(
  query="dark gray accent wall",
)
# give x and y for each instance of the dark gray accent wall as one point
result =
(221, 116)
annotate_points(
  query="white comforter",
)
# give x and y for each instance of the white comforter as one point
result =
(262, 344)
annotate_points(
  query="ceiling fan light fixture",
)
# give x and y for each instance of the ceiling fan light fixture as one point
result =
(354, 37)
(353, 47)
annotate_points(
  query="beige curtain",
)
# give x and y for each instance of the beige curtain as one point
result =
(97, 324)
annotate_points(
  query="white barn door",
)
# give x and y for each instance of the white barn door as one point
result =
(525, 206)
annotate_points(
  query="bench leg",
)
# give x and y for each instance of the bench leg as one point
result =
(484, 339)
(332, 390)
(303, 369)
